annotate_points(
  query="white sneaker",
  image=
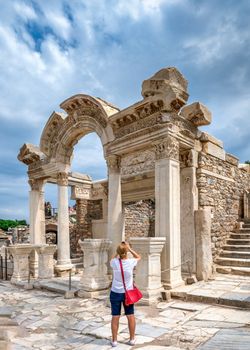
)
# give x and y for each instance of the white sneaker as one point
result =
(131, 342)
(113, 344)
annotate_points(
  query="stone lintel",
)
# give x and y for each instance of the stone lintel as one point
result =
(197, 113)
(210, 173)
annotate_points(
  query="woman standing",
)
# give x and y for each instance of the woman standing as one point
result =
(117, 294)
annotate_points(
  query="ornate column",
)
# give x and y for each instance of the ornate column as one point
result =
(37, 221)
(167, 208)
(94, 279)
(63, 241)
(148, 270)
(115, 217)
(189, 203)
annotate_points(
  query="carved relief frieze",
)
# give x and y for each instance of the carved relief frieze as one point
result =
(142, 117)
(167, 148)
(138, 162)
(62, 179)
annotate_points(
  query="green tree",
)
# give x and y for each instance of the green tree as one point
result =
(247, 162)
(5, 224)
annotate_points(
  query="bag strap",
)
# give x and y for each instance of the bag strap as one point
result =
(122, 274)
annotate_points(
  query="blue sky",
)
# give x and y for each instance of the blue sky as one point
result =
(51, 50)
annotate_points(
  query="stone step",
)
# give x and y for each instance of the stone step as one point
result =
(242, 271)
(233, 262)
(239, 241)
(246, 226)
(235, 247)
(242, 230)
(235, 254)
(240, 235)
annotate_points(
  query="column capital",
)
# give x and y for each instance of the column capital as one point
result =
(113, 162)
(62, 179)
(189, 158)
(167, 148)
(36, 184)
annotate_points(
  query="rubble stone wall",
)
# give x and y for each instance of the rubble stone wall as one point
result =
(139, 218)
(86, 211)
(224, 193)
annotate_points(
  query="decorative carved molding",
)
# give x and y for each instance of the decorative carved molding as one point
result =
(36, 185)
(141, 117)
(30, 154)
(167, 148)
(81, 192)
(62, 179)
(138, 162)
(113, 162)
(189, 158)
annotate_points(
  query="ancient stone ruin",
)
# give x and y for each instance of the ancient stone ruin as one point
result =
(172, 190)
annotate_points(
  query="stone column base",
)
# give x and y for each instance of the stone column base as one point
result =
(151, 296)
(63, 270)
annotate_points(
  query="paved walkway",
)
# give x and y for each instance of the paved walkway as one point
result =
(228, 290)
(47, 321)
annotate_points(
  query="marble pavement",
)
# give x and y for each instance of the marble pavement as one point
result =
(47, 321)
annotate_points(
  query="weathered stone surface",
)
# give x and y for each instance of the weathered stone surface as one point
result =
(94, 276)
(204, 259)
(197, 113)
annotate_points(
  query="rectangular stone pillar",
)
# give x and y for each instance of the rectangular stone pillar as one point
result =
(63, 242)
(167, 209)
(20, 253)
(45, 261)
(148, 269)
(95, 274)
(204, 259)
(189, 203)
(115, 216)
(37, 221)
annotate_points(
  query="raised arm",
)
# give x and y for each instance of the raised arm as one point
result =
(133, 252)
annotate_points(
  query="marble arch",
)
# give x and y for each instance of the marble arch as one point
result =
(85, 114)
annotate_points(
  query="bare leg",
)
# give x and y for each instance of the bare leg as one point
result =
(114, 327)
(131, 326)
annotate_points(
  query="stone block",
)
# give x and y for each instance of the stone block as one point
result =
(197, 113)
(169, 83)
(69, 294)
(205, 137)
(214, 150)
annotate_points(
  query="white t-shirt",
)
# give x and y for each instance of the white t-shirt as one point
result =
(128, 266)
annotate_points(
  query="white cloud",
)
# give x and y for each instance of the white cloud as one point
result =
(24, 11)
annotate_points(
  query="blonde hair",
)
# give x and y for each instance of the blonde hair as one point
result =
(122, 250)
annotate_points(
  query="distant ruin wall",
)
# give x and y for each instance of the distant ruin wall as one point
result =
(223, 191)
(139, 218)
(86, 211)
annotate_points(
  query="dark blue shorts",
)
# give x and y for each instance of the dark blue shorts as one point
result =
(116, 300)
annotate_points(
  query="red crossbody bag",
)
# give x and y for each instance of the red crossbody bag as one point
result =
(132, 295)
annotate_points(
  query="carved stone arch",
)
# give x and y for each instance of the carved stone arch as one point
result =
(85, 114)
